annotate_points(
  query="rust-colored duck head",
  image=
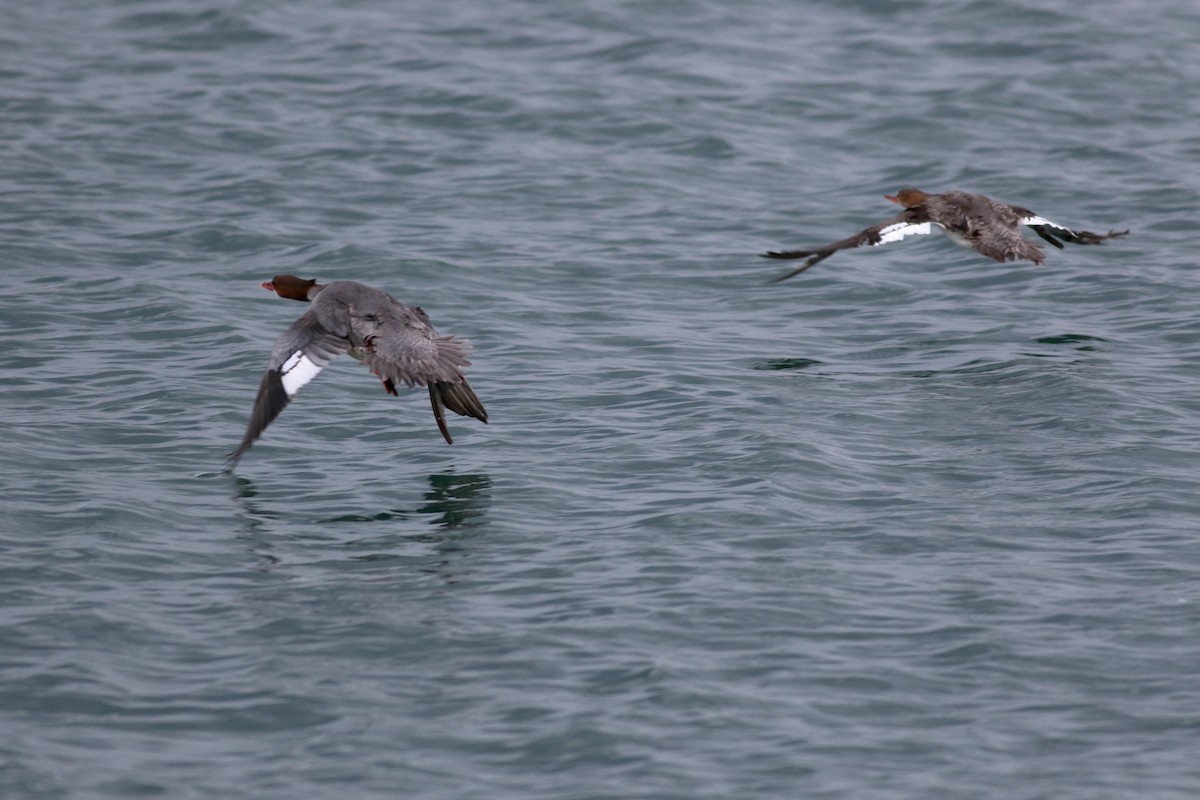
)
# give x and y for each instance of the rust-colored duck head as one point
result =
(293, 288)
(909, 198)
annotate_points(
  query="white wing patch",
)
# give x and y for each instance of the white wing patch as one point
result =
(897, 231)
(1036, 220)
(297, 371)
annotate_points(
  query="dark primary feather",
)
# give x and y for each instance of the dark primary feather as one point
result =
(1052, 234)
(868, 236)
(459, 398)
(305, 336)
(269, 403)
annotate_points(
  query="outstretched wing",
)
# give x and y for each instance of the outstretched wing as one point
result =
(1052, 232)
(459, 398)
(299, 355)
(403, 347)
(912, 222)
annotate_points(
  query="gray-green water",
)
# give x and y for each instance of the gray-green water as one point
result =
(912, 525)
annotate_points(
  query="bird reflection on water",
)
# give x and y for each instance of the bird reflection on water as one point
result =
(455, 508)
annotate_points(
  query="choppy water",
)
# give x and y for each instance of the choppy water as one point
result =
(911, 525)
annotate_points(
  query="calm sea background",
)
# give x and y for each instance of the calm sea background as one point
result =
(912, 525)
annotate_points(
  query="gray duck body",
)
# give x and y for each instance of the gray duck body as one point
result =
(397, 342)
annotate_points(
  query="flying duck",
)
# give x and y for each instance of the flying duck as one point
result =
(970, 220)
(397, 342)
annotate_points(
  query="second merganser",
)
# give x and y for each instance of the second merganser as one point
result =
(397, 342)
(971, 220)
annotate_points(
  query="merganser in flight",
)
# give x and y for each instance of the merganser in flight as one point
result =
(397, 342)
(970, 220)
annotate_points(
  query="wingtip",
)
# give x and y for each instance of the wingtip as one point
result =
(795, 272)
(435, 400)
(786, 255)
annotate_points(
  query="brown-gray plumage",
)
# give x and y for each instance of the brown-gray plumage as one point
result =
(396, 341)
(971, 220)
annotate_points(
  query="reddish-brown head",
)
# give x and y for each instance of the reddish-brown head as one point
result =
(908, 197)
(291, 287)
